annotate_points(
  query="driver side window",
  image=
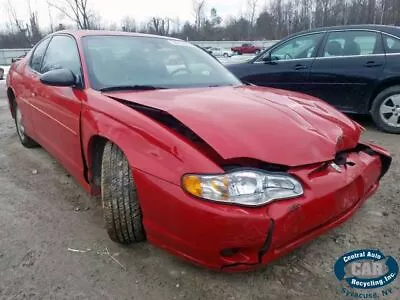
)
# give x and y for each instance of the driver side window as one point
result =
(62, 53)
(297, 48)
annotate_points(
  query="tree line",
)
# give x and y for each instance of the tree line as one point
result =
(274, 21)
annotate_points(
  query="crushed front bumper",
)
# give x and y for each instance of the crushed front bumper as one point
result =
(233, 238)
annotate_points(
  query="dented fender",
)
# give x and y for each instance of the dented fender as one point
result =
(149, 146)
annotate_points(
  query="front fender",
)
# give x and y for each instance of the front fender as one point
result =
(148, 145)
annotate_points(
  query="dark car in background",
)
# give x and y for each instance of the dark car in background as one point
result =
(354, 68)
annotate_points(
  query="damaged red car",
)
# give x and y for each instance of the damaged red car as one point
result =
(225, 175)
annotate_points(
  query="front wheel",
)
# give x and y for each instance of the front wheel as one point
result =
(385, 110)
(25, 139)
(122, 212)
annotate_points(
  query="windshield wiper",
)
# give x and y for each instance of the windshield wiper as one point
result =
(132, 88)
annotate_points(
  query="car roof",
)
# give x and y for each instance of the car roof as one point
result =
(82, 33)
(394, 30)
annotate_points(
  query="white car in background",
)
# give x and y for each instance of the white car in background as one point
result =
(221, 52)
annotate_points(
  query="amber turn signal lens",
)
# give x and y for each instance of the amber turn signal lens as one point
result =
(192, 185)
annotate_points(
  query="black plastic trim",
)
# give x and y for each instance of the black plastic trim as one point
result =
(267, 244)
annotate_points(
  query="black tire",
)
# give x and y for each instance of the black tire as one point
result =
(122, 212)
(25, 139)
(375, 109)
(257, 52)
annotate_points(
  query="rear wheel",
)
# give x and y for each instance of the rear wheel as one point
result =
(122, 212)
(25, 139)
(385, 110)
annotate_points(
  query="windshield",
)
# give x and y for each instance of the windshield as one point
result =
(150, 61)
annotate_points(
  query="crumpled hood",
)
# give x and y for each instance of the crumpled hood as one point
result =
(270, 125)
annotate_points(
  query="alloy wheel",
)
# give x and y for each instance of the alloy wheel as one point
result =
(390, 110)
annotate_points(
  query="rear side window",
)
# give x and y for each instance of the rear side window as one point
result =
(62, 53)
(38, 54)
(392, 45)
(352, 43)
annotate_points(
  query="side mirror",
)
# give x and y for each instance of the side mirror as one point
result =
(267, 58)
(59, 77)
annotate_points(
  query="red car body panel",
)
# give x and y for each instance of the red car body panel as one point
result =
(199, 230)
(282, 128)
(256, 119)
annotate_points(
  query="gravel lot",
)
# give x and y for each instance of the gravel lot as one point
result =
(44, 212)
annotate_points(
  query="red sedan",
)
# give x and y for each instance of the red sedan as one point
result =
(225, 175)
(246, 48)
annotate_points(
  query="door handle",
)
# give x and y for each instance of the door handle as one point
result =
(372, 64)
(300, 67)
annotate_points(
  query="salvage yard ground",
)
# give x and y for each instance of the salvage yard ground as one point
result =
(53, 244)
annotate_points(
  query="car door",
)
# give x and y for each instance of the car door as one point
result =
(58, 108)
(347, 68)
(287, 65)
(392, 49)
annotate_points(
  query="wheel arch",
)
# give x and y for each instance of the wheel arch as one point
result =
(11, 101)
(382, 86)
(94, 156)
(148, 146)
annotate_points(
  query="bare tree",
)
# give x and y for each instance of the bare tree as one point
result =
(277, 19)
(215, 19)
(198, 9)
(252, 5)
(77, 11)
(50, 16)
(14, 17)
(371, 11)
(176, 25)
(28, 32)
(159, 25)
(128, 24)
(33, 27)
(383, 6)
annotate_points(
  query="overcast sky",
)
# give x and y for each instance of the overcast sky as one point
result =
(112, 11)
